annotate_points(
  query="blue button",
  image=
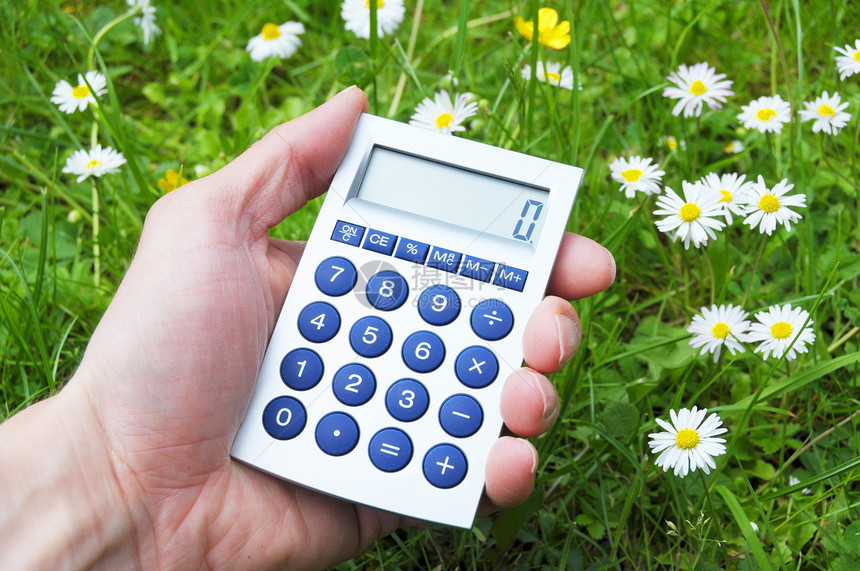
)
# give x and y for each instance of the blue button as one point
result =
(476, 367)
(510, 277)
(301, 369)
(381, 242)
(443, 259)
(387, 290)
(407, 400)
(337, 434)
(390, 449)
(439, 305)
(347, 233)
(354, 384)
(284, 418)
(412, 250)
(477, 268)
(370, 336)
(423, 351)
(492, 319)
(461, 416)
(319, 322)
(444, 466)
(335, 276)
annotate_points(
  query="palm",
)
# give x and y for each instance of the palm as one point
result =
(218, 290)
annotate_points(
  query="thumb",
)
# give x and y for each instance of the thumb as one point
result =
(293, 163)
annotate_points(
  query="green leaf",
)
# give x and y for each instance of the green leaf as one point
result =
(763, 470)
(794, 382)
(744, 524)
(799, 536)
(851, 537)
(620, 419)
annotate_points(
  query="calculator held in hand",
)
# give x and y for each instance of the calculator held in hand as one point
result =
(382, 380)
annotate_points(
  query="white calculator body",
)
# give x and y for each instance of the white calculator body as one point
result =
(382, 379)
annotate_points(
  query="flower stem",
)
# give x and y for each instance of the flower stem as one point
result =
(754, 268)
(107, 27)
(96, 247)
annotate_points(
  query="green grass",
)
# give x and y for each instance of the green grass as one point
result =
(194, 99)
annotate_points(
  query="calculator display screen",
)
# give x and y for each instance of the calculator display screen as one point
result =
(454, 195)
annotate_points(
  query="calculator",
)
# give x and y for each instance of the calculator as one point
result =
(382, 380)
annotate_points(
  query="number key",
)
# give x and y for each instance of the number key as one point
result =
(354, 384)
(335, 276)
(387, 290)
(439, 305)
(407, 400)
(301, 369)
(319, 322)
(423, 351)
(370, 336)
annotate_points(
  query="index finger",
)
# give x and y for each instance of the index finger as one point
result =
(582, 268)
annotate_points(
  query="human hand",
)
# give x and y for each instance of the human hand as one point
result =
(168, 373)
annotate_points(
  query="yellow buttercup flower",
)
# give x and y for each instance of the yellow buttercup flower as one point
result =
(171, 181)
(551, 33)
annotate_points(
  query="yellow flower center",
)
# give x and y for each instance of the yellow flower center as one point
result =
(826, 109)
(765, 114)
(687, 438)
(727, 196)
(857, 56)
(672, 144)
(720, 330)
(769, 203)
(689, 212)
(697, 88)
(271, 31)
(379, 4)
(553, 76)
(631, 175)
(93, 164)
(780, 330)
(80, 91)
(443, 120)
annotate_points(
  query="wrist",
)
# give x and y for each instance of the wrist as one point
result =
(63, 507)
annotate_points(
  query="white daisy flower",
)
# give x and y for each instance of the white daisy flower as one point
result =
(551, 73)
(734, 148)
(688, 443)
(827, 111)
(636, 173)
(767, 208)
(849, 62)
(356, 14)
(440, 115)
(691, 218)
(276, 41)
(778, 327)
(697, 85)
(146, 20)
(70, 99)
(720, 325)
(730, 188)
(95, 162)
(765, 114)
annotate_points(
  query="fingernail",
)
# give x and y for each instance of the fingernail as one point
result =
(568, 338)
(611, 257)
(533, 452)
(550, 403)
